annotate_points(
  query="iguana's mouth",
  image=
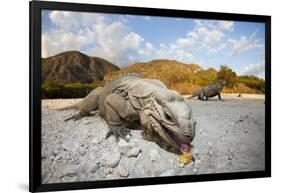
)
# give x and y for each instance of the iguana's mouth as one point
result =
(182, 146)
(166, 133)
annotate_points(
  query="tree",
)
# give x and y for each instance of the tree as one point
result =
(227, 74)
(50, 89)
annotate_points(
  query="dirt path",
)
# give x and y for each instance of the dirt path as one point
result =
(229, 138)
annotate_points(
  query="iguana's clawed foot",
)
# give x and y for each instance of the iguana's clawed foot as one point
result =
(124, 133)
(75, 117)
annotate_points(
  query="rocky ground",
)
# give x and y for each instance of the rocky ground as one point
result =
(229, 138)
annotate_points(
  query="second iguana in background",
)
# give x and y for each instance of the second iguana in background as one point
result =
(163, 114)
(209, 91)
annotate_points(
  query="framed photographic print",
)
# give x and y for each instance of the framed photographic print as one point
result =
(126, 96)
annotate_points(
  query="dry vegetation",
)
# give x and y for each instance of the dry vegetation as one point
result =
(184, 78)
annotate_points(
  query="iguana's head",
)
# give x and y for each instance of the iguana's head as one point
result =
(167, 120)
(221, 83)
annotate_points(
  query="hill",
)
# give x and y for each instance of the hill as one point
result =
(74, 75)
(75, 67)
(168, 71)
(184, 78)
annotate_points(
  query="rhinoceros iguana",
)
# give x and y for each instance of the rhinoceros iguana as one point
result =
(163, 114)
(209, 91)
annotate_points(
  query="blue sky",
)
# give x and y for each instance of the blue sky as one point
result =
(126, 39)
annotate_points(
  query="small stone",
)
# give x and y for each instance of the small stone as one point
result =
(102, 172)
(82, 168)
(95, 141)
(240, 119)
(197, 162)
(55, 152)
(230, 157)
(124, 147)
(195, 151)
(70, 145)
(153, 154)
(95, 167)
(122, 171)
(195, 170)
(210, 144)
(181, 165)
(58, 158)
(170, 172)
(83, 152)
(109, 171)
(44, 157)
(87, 122)
(112, 159)
(52, 158)
(69, 176)
(134, 152)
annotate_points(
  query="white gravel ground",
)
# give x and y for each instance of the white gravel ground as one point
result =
(229, 138)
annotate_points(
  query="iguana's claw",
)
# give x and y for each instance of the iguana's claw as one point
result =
(118, 132)
(80, 115)
(75, 117)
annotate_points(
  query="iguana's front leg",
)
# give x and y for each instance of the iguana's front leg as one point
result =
(201, 95)
(219, 96)
(116, 109)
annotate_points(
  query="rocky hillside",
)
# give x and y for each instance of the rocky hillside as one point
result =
(73, 67)
(160, 69)
(73, 75)
(174, 74)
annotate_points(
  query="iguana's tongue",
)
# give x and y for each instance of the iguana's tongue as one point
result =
(184, 148)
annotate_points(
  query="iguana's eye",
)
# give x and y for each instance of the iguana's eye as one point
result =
(168, 116)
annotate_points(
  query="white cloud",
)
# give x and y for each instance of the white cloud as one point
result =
(74, 31)
(226, 25)
(245, 43)
(185, 42)
(182, 55)
(206, 35)
(255, 69)
(115, 43)
(210, 36)
(111, 38)
(55, 42)
(147, 18)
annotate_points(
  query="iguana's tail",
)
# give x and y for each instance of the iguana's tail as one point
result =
(90, 102)
(195, 94)
(190, 97)
(73, 106)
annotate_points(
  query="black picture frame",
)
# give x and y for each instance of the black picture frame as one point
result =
(35, 8)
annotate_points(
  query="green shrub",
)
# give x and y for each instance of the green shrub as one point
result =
(252, 82)
(52, 90)
(227, 74)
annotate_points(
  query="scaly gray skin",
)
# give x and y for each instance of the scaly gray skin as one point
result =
(209, 91)
(163, 114)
